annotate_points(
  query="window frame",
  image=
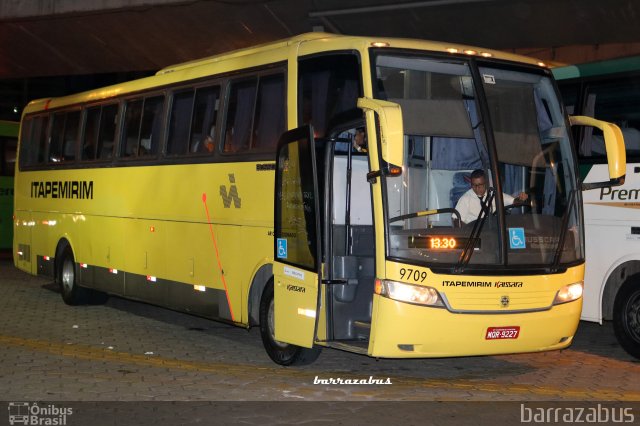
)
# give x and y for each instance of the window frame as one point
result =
(221, 80)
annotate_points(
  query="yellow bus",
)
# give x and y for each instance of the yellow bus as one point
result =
(311, 186)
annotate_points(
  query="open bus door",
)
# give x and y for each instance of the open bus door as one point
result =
(297, 253)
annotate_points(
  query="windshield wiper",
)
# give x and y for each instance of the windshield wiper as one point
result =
(563, 231)
(485, 211)
(421, 213)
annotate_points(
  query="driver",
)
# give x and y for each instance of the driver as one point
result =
(471, 202)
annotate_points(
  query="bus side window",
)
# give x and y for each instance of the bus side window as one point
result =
(150, 129)
(70, 139)
(180, 122)
(56, 139)
(328, 85)
(131, 132)
(142, 124)
(269, 120)
(107, 134)
(34, 141)
(25, 141)
(613, 100)
(237, 134)
(204, 120)
(90, 136)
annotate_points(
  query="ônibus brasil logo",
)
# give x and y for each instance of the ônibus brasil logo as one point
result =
(31, 414)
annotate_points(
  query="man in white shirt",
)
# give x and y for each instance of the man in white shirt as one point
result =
(471, 202)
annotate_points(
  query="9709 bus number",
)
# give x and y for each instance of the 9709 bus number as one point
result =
(413, 274)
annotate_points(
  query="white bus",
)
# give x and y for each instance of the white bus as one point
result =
(609, 90)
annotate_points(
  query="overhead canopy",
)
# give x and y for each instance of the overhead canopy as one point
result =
(54, 37)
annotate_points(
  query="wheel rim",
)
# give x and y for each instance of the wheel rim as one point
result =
(68, 275)
(271, 327)
(632, 316)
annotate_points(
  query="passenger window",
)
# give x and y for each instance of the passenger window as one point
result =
(107, 135)
(142, 127)
(64, 137)
(90, 137)
(151, 127)
(34, 141)
(180, 122)
(132, 120)
(70, 140)
(204, 120)
(255, 114)
(25, 141)
(327, 86)
(57, 137)
(269, 120)
(237, 135)
(616, 101)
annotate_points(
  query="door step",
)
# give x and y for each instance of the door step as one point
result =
(362, 325)
(361, 330)
(357, 346)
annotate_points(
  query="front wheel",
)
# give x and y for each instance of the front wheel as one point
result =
(280, 352)
(626, 316)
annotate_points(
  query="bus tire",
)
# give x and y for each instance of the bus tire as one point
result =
(626, 316)
(281, 353)
(67, 279)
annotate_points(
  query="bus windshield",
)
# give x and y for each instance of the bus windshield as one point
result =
(488, 178)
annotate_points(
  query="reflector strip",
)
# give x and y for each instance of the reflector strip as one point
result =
(307, 312)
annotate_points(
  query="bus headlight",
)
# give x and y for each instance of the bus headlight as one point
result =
(421, 295)
(568, 293)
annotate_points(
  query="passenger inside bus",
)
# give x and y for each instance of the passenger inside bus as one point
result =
(354, 140)
(360, 140)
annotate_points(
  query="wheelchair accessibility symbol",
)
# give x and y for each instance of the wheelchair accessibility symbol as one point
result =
(282, 248)
(516, 238)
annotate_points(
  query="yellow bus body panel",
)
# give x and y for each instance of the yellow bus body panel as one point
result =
(158, 221)
(432, 332)
(437, 332)
(297, 307)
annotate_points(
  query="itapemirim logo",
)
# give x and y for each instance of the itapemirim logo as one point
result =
(32, 414)
(231, 194)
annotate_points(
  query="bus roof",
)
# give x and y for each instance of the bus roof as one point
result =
(214, 64)
(307, 37)
(612, 66)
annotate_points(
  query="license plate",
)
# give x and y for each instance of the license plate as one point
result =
(496, 333)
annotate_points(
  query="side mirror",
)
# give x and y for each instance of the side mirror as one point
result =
(614, 144)
(391, 133)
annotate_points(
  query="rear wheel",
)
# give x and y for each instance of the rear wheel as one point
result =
(626, 316)
(280, 352)
(66, 277)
